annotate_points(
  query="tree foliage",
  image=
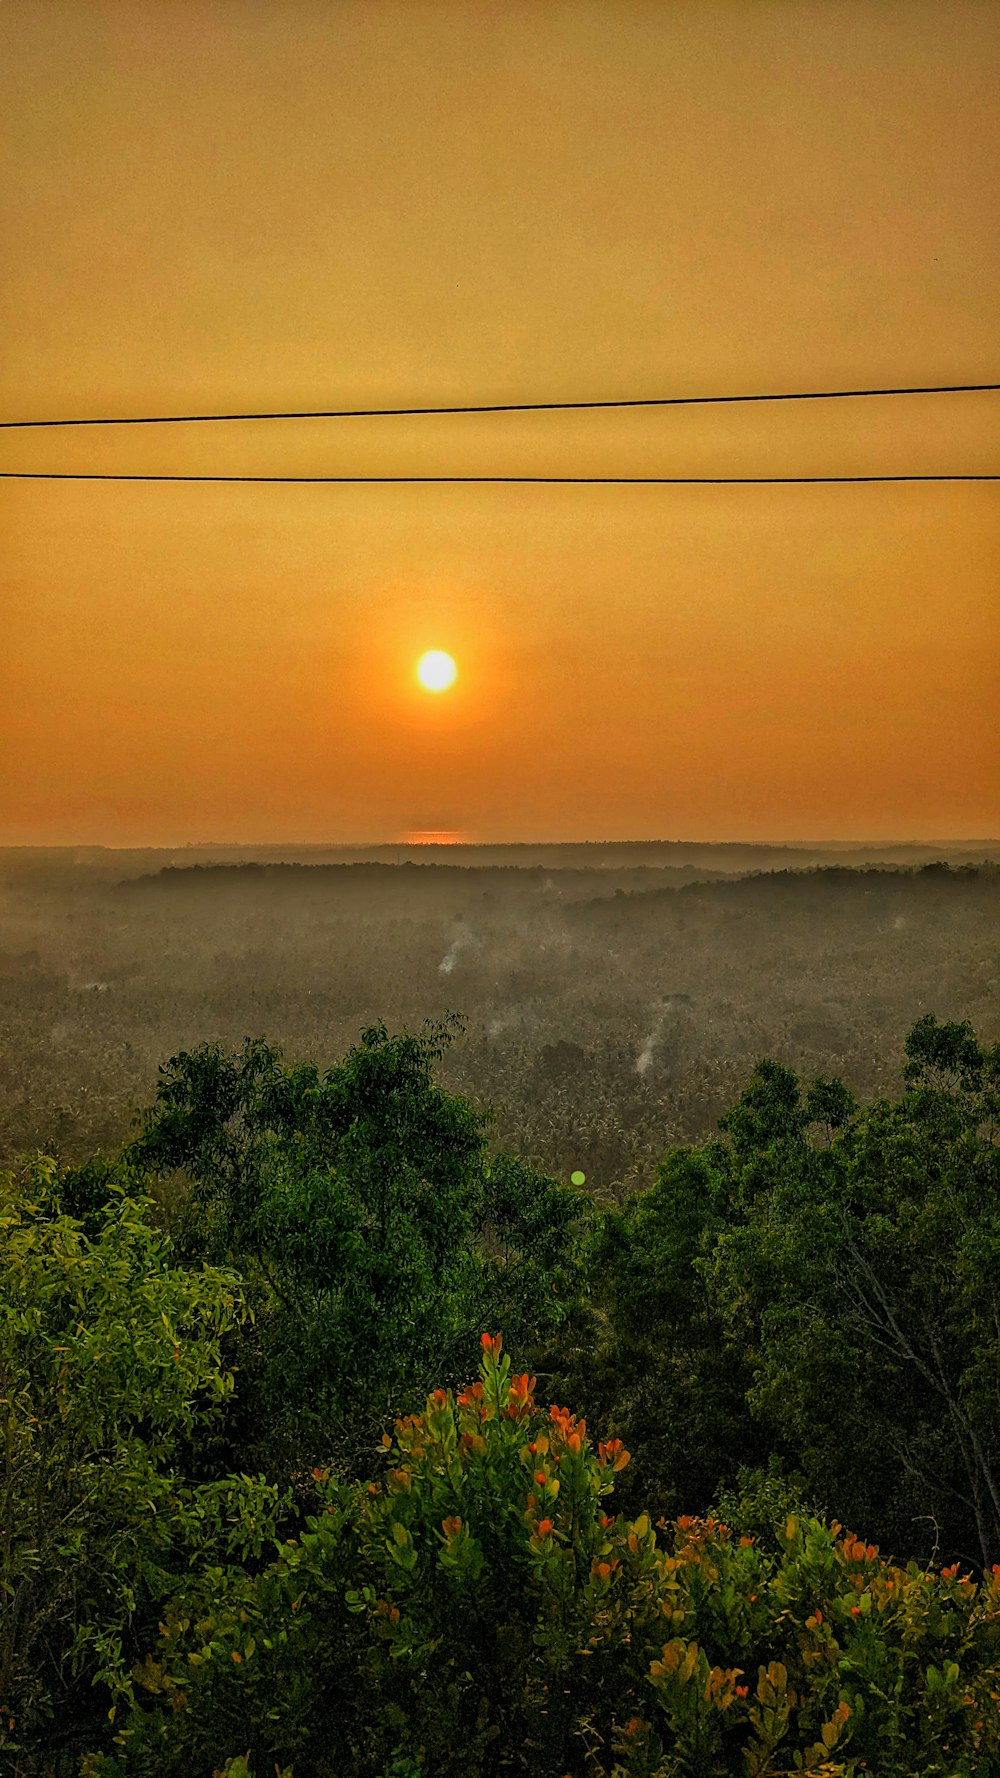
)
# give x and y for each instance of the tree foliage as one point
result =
(863, 1279)
(109, 1362)
(798, 1320)
(823, 1286)
(478, 1610)
(376, 1235)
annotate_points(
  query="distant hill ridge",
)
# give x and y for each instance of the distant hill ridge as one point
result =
(682, 880)
(43, 866)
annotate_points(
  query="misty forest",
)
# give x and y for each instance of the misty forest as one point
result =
(534, 1311)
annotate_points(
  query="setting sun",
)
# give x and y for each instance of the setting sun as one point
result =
(436, 670)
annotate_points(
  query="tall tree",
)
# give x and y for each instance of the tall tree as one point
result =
(862, 1279)
(378, 1238)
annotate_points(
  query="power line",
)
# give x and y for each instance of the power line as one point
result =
(602, 481)
(509, 407)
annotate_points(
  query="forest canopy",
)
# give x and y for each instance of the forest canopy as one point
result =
(273, 1497)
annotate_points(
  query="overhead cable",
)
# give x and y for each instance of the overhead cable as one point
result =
(507, 407)
(592, 481)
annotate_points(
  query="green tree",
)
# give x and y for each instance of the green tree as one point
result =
(376, 1236)
(819, 1289)
(862, 1281)
(665, 1377)
(109, 1361)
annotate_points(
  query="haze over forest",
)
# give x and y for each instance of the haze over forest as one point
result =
(616, 997)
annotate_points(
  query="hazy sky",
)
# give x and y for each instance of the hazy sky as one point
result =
(362, 202)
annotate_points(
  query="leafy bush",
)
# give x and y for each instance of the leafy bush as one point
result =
(759, 1502)
(477, 1610)
(109, 1358)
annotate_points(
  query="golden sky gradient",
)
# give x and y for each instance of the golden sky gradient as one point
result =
(231, 205)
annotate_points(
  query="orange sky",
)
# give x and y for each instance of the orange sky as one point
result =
(362, 202)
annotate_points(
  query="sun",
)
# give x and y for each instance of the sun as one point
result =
(436, 670)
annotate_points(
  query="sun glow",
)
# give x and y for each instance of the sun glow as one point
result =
(436, 670)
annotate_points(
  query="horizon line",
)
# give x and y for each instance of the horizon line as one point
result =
(451, 844)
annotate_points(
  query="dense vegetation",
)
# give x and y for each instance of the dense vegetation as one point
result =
(603, 1026)
(258, 1513)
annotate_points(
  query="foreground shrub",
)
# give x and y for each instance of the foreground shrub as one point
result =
(109, 1359)
(478, 1611)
